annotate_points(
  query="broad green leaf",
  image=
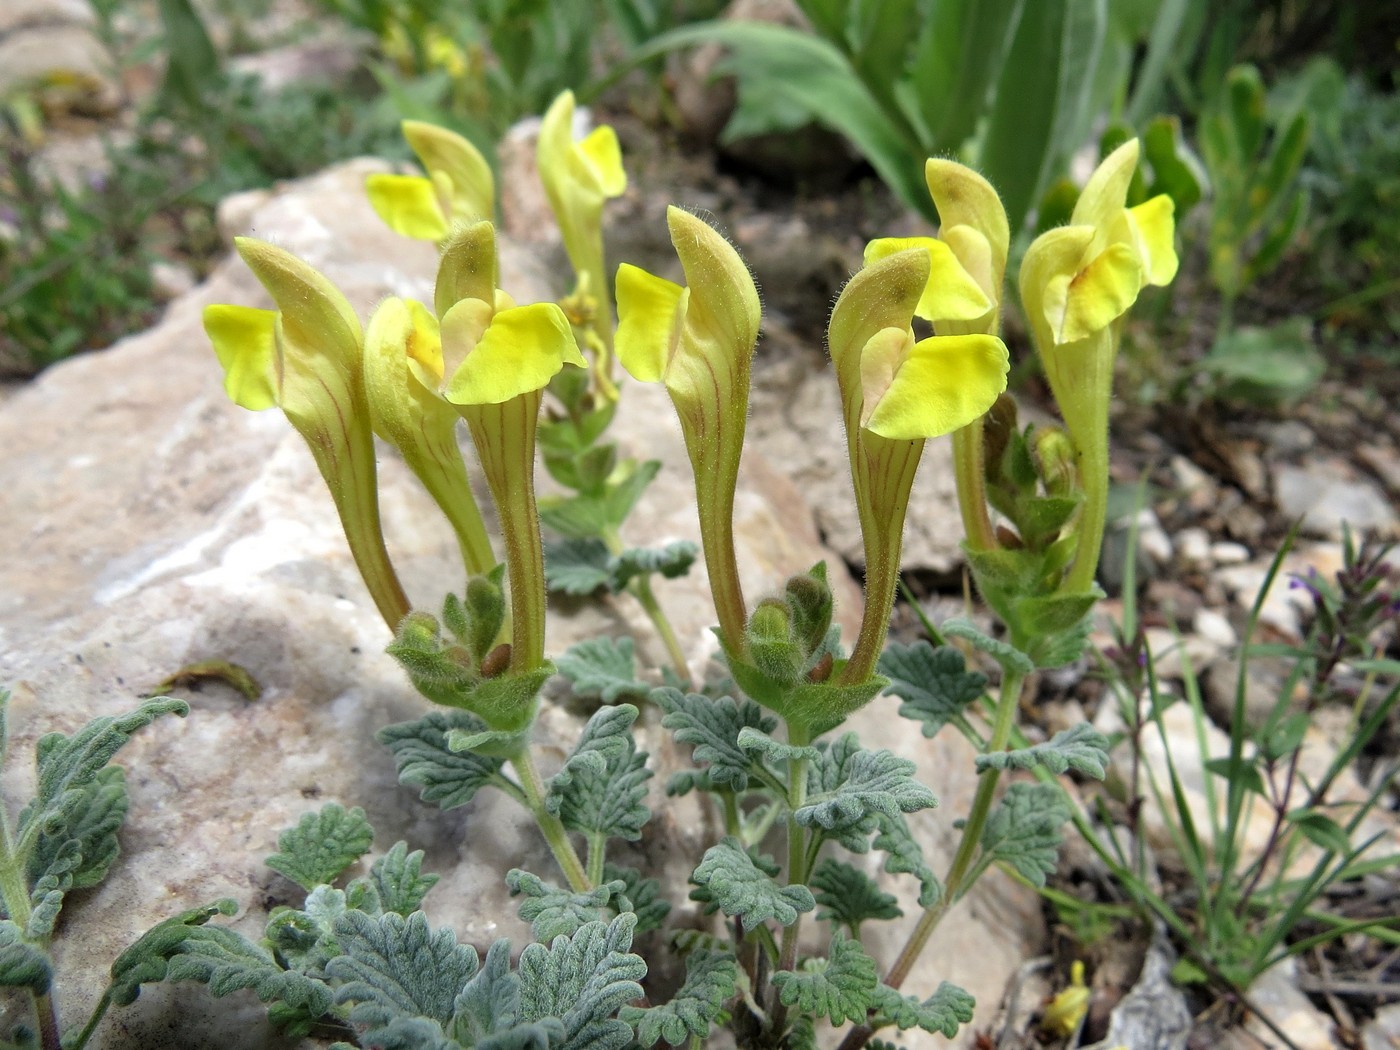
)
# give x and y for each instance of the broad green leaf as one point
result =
(603, 669)
(322, 845)
(449, 778)
(584, 980)
(943, 1012)
(554, 912)
(839, 987)
(22, 965)
(850, 785)
(1023, 830)
(934, 684)
(849, 896)
(711, 979)
(712, 727)
(399, 881)
(601, 788)
(731, 881)
(394, 966)
(1081, 748)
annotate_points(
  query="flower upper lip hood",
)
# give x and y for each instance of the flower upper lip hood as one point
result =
(583, 172)
(459, 186)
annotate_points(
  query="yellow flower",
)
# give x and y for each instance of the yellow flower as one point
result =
(459, 186)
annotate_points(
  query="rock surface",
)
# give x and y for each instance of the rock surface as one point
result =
(160, 525)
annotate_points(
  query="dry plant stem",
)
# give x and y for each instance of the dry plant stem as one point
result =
(953, 886)
(550, 826)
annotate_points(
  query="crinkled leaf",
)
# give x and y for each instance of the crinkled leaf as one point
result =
(425, 761)
(322, 845)
(1010, 658)
(759, 742)
(228, 962)
(554, 912)
(736, 885)
(1081, 748)
(849, 896)
(849, 785)
(394, 966)
(577, 566)
(942, 1012)
(712, 727)
(601, 788)
(22, 965)
(488, 1010)
(903, 856)
(671, 561)
(584, 980)
(304, 938)
(408, 1033)
(711, 979)
(399, 880)
(603, 669)
(92, 824)
(934, 684)
(641, 896)
(1024, 829)
(838, 987)
(148, 959)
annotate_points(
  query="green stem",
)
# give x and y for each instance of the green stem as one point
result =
(640, 588)
(597, 856)
(797, 859)
(732, 824)
(98, 1012)
(550, 825)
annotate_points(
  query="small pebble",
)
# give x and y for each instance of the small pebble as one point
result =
(1193, 548)
(1214, 627)
(1227, 553)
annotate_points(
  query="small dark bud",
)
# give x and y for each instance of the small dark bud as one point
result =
(1008, 538)
(496, 662)
(822, 670)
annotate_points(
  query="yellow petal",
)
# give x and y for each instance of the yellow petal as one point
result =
(951, 293)
(976, 255)
(245, 341)
(408, 205)
(724, 308)
(472, 192)
(461, 330)
(880, 359)
(965, 198)
(940, 385)
(603, 158)
(520, 352)
(316, 317)
(1096, 296)
(1153, 235)
(650, 310)
(1050, 263)
(468, 268)
(1106, 192)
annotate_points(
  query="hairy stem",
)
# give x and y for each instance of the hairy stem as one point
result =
(550, 826)
(797, 861)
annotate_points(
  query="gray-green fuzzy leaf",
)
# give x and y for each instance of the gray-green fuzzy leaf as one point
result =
(602, 786)
(934, 684)
(397, 967)
(1024, 829)
(849, 896)
(399, 881)
(712, 728)
(1081, 748)
(737, 886)
(904, 857)
(425, 761)
(22, 965)
(641, 896)
(322, 845)
(850, 785)
(1010, 658)
(584, 980)
(759, 742)
(227, 962)
(305, 938)
(577, 566)
(943, 1012)
(148, 959)
(554, 912)
(711, 979)
(603, 669)
(838, 987)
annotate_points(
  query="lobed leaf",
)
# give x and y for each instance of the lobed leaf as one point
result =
(934, 684)
(711, 979)
(712, 727)
(1003, 653)
(396, 967)
(578, 566)
(322, 845)
(1081, 748)
(426, 761)
(640, 896)
(839, 987)
(1024, 830)
(584, 980)
(603, 669)
(148, 959)
(943, 1012)
(554, 912)
(847, 895)
(399, 881)
(602, 786)
(903, 856)
(730, 880)
(849, 786)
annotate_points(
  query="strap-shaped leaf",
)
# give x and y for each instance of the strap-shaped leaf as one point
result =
(711, 979)
(838, 987)
(603, 669)
(394, 966)
(712, 727)
(1081, 748)
(935, 684)
(425, 761)
(729, 879)
(942, 1012)
(849, 896)
(1024, 830)
(322, 845)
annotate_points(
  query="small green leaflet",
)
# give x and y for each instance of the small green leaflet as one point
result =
(553, 912)
(849, 785)
(1024, 830)
(601, 788)
(398, 879)
(322, 845)
(582, 566)
(751, 739)
(397, 967)
(730, 880)
(934, 684)
(640, 896)
(711, 980)
(488, 1009)
(21, 964)
(584, 980)
(90, 827)
(449, 778)
(849, 896)
(1081, 748)
(903, 856)
(712, 727)
(603, 669)
(838, 987)
(1010, 658)
(942, 1012)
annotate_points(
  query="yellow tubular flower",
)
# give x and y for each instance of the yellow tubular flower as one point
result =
(699, 341)
(494, 362)
(459, 186)
(1077, 282)
(895, 393)
(306, 358)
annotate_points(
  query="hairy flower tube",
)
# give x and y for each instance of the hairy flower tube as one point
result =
(896, 392)
(403, 355)
(699, 341)
(963, 297)
(1077, 283)
(493, 361)
(459, 186)
(579, 176)
(305, 357)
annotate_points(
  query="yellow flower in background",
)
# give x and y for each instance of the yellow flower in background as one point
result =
(459, 186)
(699, 341)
